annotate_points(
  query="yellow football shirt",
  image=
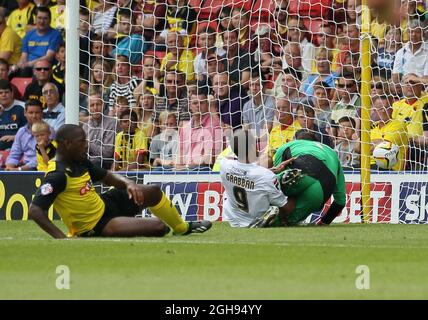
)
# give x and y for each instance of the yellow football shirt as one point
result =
(127, 147)
(411, 114)
(10, 41)
(50, 151)
(19, 19)
(394, 131)
(185, 64)
(280, 135)
(69, 188)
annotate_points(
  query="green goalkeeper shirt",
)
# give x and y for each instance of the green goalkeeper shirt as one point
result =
(314, 171)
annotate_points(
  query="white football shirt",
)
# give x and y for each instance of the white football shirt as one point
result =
(249, 191)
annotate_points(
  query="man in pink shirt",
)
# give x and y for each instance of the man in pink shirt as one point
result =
(200, 138)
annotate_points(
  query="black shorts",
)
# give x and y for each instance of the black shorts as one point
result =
(117, 204)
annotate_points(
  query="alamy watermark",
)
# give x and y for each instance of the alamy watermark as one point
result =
(63, 277)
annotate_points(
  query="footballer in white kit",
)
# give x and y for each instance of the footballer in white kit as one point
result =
(250, 191)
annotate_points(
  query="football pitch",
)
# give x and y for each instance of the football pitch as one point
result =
(224, 263)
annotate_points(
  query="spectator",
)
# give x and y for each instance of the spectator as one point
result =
(9, 5)
(146, 113)
(54, 114)
(45, 146)
(11, 116)
(199, 138)
(131, 149)
(324, 74)
(230, 103)
(387, 129)
(100, 130)
(10, 42)
(239, 61)
(43, 75)
(327, 40)
(286, 128)
(4, 74)
(40, 43)
(175, 99)
(349, 47)
(151, 77)
(347, 143)
(206, 45)
(281, 13)
(385, 55)
(293, 59)
(259, 111)
(321, 100)
(58, 16)
(21, 17)
(413, 57)
(410, 110)
(350, 101)
(241, 22)
(58, 70)
(306, 117)
(22, 156)
(179, 16)
(121, 106)
(298, 34)
(84, 44)
(164, 146)
(128, 42)
(124, 85)
(103, 16)
(215, 64)
(290, 87)
(151, 18)
(102, 75)
(224, 23)
(178, 58)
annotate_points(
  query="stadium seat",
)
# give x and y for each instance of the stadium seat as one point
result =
(310, 8)
(3, 156)
(208, 9)
(21, 84)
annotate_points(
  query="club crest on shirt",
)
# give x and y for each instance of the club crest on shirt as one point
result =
(46, 189)
(86, 188)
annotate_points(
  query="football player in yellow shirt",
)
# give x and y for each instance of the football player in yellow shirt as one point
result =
(68, 186)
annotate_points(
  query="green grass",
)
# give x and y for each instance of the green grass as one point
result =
(225, 263)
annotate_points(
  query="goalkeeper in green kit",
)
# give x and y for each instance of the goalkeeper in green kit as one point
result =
(320, 176)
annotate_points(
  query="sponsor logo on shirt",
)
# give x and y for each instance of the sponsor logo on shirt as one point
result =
(46, 189)
(86, 188)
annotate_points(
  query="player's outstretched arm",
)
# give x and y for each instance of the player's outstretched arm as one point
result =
(135, 191)
(39, 216)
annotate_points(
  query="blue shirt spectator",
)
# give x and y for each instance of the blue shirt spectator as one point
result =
(37, 45)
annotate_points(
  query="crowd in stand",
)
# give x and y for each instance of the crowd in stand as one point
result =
(162, 86)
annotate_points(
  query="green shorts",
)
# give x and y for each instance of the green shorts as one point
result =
(307, 202)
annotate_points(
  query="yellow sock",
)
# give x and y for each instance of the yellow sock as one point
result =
(168, 213)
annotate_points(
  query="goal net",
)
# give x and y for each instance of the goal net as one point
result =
(164, 82)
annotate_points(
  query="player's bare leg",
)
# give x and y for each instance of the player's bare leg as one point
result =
(135, 227)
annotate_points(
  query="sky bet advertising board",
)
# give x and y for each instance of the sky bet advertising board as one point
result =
(394, 198)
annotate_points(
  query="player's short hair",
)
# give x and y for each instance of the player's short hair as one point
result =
(242, 143)
(40, 127)
(304, 134)
(348, 119)
(121, 100)
(69, 132)
(5, 85)
(33, 102)
(44, 10)
(131, 114)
